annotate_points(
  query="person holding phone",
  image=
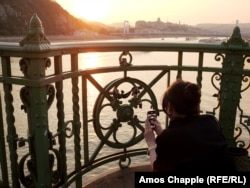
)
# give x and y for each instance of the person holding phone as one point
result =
(192, 142)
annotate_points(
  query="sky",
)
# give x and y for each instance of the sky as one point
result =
(190, 12)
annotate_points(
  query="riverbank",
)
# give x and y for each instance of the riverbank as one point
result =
(61, 38)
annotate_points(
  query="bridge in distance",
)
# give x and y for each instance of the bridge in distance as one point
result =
(167, 35)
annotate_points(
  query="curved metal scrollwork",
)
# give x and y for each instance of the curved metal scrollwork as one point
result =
(28, 178)
(219, 57)
(28, 175)
(24, 64)
(47, 62)
(25, 96)
(245, 79)
(244, 119)
(51, 94)
(216, 77)
(118, 115)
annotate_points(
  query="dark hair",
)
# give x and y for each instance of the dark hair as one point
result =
(184, 96)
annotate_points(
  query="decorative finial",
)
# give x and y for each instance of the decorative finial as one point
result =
(35, 40)
(236, 39)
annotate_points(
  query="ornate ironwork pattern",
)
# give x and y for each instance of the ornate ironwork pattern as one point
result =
(60, 116)
(230, 93)
(123, 60)
(28, 180)
(11, 133)
(3, 158)
(28, 175)
(123, 105)
(243, 119)
(120, 106)
(25, 96)
(216, 80)
(76, 117)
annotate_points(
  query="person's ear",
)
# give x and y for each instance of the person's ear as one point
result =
(169, 109)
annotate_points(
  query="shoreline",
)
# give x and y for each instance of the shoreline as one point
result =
(61, 38)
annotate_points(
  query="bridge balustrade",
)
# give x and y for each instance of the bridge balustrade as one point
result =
(60, 120)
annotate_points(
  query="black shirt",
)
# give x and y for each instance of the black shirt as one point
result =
(193, 143)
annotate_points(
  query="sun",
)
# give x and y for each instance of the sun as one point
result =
(89, 60)
(91, 10)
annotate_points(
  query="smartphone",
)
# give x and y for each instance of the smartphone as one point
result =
(151, 117)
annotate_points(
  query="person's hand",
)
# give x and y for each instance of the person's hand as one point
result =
(156, 124)
(150, 140)
(149, 132)
(158, 129)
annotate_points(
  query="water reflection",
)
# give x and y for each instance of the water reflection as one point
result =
(98, 59)
(89, 60)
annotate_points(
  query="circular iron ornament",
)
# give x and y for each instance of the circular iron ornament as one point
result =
(124, 162)
(120, 112)
(123, 61)
(125, 113)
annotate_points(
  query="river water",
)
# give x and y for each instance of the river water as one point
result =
(92, 60)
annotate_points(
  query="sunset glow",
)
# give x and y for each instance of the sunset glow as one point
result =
(90, 60)
(91, 10)
(176, 11)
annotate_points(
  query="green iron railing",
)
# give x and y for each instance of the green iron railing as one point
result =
(65, 139)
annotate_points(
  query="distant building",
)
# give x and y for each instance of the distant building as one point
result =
(159, 27)
(84, 33)
(126, 27)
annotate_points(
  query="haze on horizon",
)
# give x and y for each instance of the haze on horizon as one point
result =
(190, 12)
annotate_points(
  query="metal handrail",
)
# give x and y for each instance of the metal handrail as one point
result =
(43, 159)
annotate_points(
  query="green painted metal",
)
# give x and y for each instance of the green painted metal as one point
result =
(4, 182)
(36, 105)
(11, 130)
(61, 119)
(46, 162)
(231, 81)
(76, 123)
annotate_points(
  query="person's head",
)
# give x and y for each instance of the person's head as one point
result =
(182, 98)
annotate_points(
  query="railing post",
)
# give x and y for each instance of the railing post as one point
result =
(36, 104)
(10, 119)
(231, 80)
(3, 160)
